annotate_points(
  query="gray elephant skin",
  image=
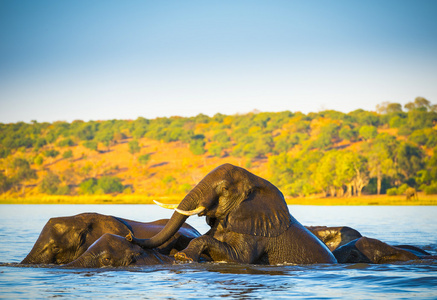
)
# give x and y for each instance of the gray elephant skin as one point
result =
(64, 239)
(368, 250)
(334, 237)
(115, 251)
(249, 219)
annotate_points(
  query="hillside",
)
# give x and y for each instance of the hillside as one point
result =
(325, 154)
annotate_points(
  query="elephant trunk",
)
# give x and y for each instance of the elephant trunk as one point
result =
(83, 262)
(190, 202)
(28, 260)
(36, 257)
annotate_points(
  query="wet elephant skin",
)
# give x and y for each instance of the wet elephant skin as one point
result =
(249, 219)
(63, 239)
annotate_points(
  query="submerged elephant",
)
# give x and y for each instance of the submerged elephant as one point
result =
(64, 239)
(115, 251)
(334, 237)
(367, 250)
(249, 219)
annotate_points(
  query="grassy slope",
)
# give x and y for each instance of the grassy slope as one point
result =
(170, 173)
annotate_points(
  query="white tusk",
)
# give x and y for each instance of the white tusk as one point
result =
(168, 206)
(191, 212)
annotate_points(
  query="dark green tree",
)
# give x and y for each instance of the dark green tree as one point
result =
(109, 184)
(197, 144)
(134, 147)
(50, 183)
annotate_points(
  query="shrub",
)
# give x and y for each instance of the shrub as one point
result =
(431, 189)
(144, 159)
(50, 183)
(67, 154)
(88, 187)
(392, 192)
(109, 184)
(397, 191)
(66, 143)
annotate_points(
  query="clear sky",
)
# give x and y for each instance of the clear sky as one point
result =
(97, 60)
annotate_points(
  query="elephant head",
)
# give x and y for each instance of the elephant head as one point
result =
(234, 198)
(368, 250)
(114, 251)
(63, 239)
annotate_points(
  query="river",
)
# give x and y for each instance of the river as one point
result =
(20, 226)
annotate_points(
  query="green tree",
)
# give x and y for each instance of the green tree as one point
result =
(88, 186)
(50, 183)
(105, 136)
(51, 153)
(67, 154)
(92, 145)
(324, 176)
(381, 159)
(345, 172)
(347, 133)
(66, 143)
(144, 159)
(216, 149)
(109, 184)
(328, 135)
(197, 144)
(409, 159)
(38, 160)
(368, 132)
(5, 183)
(134, 147)
(21, 172)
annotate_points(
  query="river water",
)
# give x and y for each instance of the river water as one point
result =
(20, 226)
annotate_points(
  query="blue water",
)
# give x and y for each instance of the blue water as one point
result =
(20, 226)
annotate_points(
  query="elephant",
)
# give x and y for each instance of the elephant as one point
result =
(334, 237)
(368, 250)
(63, 239)
(249, 219)
(112, 250)
(411, 194)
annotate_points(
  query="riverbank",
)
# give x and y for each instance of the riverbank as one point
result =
(141, 199)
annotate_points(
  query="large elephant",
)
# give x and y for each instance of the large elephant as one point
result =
(115, 251)
(64, 239)
(334, 237)
(368, 250)
(249, 219)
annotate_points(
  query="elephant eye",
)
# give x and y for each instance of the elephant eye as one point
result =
(106, 260)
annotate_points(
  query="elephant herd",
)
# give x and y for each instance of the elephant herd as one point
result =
(250, 224)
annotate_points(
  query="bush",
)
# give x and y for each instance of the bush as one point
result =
(51, 153)
(144, 159)
(368, 132)
(431, 189)
(90, 145)
(67, 154)
(109, 185)
(88, 187)
(66, 143)
(398, 191)
(197, 145)
(392, 192)
(50, 183)
(106, 184)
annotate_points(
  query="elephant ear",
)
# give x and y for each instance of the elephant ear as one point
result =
(262, 213)
(93, 226)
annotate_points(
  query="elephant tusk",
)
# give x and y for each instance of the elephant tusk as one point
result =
(191, 212)
(168, 206)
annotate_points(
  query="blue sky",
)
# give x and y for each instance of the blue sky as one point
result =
(97, 60)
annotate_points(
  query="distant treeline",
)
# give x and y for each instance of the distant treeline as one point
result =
(329, 152)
